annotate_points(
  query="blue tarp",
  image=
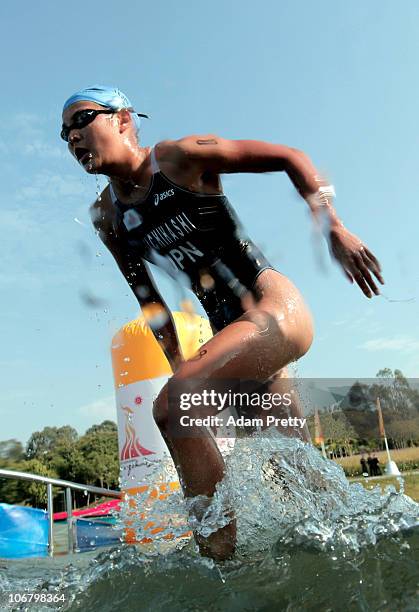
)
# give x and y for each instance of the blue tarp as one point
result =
(23, 532)
(91, 534)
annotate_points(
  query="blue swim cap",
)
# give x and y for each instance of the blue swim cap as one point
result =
(109, 97)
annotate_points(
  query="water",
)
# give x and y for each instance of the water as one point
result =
(307, 540)
(98, 187)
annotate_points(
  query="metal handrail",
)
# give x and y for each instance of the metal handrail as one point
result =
(60, 483)
(50, 482)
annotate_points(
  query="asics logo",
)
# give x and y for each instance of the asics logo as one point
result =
(158, 197)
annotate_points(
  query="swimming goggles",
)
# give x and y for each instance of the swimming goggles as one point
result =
(85, 116)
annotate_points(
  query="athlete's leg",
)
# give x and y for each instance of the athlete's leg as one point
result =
(281, 385)
(254, 347)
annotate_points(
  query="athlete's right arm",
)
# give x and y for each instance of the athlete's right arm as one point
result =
(210, 154)
(153, 306)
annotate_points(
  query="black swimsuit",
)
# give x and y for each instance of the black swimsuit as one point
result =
(198, 235)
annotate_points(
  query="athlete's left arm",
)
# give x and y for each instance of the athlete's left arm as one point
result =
(221, 156)
(218, 155)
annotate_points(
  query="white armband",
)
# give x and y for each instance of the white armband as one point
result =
(321, 196)
(328, 191)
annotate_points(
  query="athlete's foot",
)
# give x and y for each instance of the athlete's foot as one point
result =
(220, 545)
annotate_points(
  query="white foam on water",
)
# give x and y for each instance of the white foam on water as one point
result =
(279, 489)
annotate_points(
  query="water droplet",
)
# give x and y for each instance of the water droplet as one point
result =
(187, 306)
(207, 281)
(142, 291)
(98, 191)
(132, 219)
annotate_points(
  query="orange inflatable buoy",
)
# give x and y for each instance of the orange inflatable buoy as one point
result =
(140, 371)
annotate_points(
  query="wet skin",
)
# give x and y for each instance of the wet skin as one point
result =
(275, 328)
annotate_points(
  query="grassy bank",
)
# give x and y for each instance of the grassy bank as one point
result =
(406, 459)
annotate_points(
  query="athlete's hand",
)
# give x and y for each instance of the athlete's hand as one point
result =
(357, 261)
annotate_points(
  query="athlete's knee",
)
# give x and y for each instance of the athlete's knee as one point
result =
(264, 320)
(289, 337)
(306, 334)
(299, 331)
(294, 333)
(300, 339)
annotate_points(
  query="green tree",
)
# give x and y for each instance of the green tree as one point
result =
(58, 452)
(68, 462)
(104, 427)
(42, 444)
(385, 373)
(11, 450)
(25, 492)
(99, 447)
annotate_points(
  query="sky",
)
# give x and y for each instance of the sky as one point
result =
(336, 79)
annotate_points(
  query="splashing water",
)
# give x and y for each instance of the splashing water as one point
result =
(281, 490)
(403, 300)
(308, 539)
(79, 222)
(98, 188)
